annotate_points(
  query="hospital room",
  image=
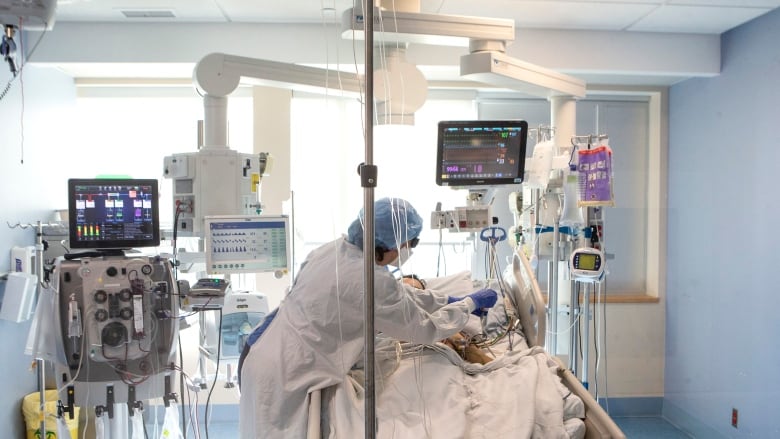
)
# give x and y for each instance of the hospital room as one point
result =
(192, 189)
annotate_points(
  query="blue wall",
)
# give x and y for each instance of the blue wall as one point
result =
(40, 103)
(724, 208)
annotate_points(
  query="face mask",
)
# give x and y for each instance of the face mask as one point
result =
(403, 255)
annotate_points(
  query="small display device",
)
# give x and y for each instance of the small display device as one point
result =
(587, 264)
(481, 152)
(113, 213)
(247, 244)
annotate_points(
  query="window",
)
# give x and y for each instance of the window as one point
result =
(626, 122)
(328, 195)
(328, 192)
(131, 136)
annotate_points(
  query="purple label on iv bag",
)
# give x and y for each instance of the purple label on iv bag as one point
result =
(595, 176)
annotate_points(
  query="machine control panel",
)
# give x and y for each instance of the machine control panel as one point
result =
(128, 316)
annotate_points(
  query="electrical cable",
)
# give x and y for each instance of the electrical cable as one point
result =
(440, 255)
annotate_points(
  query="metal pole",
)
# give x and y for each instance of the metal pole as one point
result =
(537, 200)
(40, 363)
(368, 224)
(585, 332)
(574, 312)
(553, 287)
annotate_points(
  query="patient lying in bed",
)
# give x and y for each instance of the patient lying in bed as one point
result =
(463, 343)
(432, 392)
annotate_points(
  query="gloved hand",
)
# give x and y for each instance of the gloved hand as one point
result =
(451, 299)
(483, 299)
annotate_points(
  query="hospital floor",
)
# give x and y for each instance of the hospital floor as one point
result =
(633, 427)
(650, 427)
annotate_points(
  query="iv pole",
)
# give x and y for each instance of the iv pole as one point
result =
(368, 176)
(40, 363)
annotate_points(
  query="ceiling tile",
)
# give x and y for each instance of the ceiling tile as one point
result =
(288, 11)
(556, 14)
(691, 19)
(731, 3)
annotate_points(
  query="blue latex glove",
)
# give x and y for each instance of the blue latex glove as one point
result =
(451, 299)
(483, 299)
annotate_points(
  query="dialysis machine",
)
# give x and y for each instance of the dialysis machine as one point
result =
(117, 310)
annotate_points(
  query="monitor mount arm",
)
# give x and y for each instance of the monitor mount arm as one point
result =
(217, 75)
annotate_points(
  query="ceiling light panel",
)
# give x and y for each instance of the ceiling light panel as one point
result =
(556, 14)
(691, 19)
(148, 13)
(130, 11)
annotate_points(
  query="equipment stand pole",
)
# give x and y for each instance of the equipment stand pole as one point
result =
(552, 300)
(368, 181)
(585, 332)
(40, 363)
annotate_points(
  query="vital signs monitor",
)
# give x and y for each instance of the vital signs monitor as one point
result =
(481, 152)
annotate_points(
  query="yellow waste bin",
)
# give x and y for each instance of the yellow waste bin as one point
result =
(32, 416)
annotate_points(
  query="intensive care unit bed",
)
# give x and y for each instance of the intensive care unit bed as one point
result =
(442, 391)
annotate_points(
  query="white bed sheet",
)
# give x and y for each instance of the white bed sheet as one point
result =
(436, 394)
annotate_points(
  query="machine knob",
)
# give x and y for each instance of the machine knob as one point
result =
(111, 271)
(100, 296)
(125, 295)
(126, 313)
(146, 269)
(101, 315)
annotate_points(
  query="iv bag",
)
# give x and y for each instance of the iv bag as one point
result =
(43, 339)
(137, 424)
(63, 432)
(171, 429)
(595, 172)
(571, 214)
(100, 427)
(541, 165)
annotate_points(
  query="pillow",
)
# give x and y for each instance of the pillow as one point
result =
(456, 285)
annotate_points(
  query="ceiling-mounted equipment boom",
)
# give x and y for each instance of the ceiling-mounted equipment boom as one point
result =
(422, 28)
(218, 74)
(486, 38)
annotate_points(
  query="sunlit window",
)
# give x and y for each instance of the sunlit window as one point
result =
(123, 136)
(328, 146)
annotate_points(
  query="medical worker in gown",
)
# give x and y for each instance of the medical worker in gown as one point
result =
(315, 336)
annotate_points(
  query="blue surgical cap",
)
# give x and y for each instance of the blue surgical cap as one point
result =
(395, 222)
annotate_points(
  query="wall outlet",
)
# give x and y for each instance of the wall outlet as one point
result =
(734, 417)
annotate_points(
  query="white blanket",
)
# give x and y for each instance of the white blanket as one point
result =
(437, 395)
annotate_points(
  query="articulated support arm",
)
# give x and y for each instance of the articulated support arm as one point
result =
(218, 74)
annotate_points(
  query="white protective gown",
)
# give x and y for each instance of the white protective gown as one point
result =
(317, 336)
